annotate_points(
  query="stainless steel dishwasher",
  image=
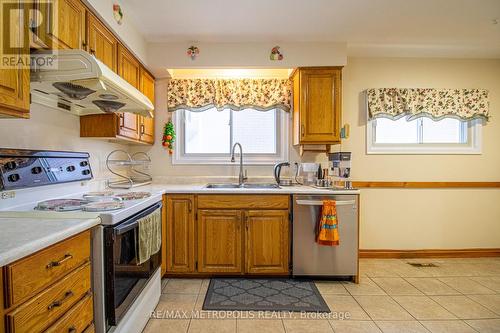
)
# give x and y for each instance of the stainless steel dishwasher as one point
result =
(311, 259)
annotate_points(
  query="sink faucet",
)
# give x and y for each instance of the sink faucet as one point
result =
(241, 178)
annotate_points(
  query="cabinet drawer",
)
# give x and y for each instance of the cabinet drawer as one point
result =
(252, 201)
(42, 310)
(76, 319)
(90, 329)
(27, 276)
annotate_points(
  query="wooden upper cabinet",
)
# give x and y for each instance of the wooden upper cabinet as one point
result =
(65, 28)
(130, 70)
(102, 43)
(146, 124)
(180, 234)
(317, 105)
(220, 241)
(267, 241)
(15, 82)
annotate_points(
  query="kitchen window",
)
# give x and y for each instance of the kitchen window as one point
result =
(423, 136)
(207, 137)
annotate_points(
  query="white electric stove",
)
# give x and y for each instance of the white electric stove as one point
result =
(50, 184)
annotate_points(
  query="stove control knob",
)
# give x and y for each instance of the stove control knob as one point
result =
(84, 163)
(85, 172)
(10, 165)
(71, 168)
(36, 170)
(13, 178)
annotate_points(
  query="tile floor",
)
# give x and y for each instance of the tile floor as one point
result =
(460, 295)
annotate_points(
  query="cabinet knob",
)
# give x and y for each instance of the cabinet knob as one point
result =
(143, 129)
(302, 130)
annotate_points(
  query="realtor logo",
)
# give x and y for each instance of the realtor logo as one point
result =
(26, 24)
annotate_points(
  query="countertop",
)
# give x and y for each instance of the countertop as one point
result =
(23, 235)
(202, 189)
(20, 237)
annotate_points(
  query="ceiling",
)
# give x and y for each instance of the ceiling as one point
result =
(360, 23)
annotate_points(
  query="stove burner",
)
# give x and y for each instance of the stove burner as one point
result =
(103, 206)
(133, 195)
(100, 196)
(61, 205)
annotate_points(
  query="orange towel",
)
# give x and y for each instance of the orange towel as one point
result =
(327, 230)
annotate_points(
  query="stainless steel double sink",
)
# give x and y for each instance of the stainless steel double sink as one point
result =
(247, 185)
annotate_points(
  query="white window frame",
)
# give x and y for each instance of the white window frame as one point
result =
(472, 147)
(282, 147)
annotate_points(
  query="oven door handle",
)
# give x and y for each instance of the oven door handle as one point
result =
(132, 222)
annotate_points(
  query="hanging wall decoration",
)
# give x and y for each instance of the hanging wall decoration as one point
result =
(276, 54)
(193, 52)
(169, 137)
(117, 13)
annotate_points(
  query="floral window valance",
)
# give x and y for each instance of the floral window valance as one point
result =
(234, 94)
(394, 103)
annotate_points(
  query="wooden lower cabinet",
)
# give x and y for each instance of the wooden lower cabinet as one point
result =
(60, 302)
(267, 246)
(231, 238)
(180, 234)
(220, 241)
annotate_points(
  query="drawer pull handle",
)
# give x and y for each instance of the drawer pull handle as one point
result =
(51, 264)
(72, 329)
(58, 303)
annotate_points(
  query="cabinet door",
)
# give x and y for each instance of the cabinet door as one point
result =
(15, 81)
(180, 234)
(320, 106)
(65, 29)
(146, 124)
(220, 241)
(102, 44)
(129, 69)
(267, 241)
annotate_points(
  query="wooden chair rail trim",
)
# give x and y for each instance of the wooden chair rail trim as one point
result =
(428, 253)
(385, 184)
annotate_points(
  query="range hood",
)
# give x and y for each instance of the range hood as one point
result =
(76, 82)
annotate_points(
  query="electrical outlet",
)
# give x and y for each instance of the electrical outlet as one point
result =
(8, 195)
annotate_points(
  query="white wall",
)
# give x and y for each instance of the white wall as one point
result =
(244, 55)
(49, 129)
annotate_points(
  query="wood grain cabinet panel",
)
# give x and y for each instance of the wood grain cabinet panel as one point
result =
(129, 69)
(317, 105)
(27, 276)
(180, 234)
(64, 27)
(146, 124)
(102, 43)
(15, 82)
(45, 308)
(220, 241)
(250, 201)
(267, 241)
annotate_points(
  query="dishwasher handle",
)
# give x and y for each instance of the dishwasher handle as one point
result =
(320, 203)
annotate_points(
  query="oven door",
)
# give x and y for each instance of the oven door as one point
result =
(124, 279)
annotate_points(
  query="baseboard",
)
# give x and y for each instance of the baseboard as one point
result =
(407, 254)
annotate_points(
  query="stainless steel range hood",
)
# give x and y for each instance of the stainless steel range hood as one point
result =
(76, 82)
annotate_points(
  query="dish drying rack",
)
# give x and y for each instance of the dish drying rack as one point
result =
(132, 163)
